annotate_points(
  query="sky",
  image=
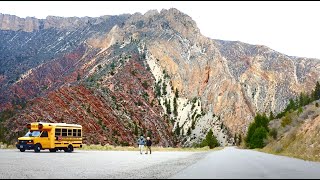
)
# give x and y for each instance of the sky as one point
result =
(291, 28)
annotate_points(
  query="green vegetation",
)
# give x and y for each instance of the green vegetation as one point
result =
(286, 120)
(257, 132)
(164, 88)
(168, 106)
(158, 88)
(177, 130)
(302, 100)
(210, 140)
(189, 131)
(176, 94)
(175, 106)
(145, 84)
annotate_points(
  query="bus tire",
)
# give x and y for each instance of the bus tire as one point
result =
(37, 148)
(53, 150)
(22, 150)
(69, 149)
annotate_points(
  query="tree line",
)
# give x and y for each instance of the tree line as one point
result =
(259, 131)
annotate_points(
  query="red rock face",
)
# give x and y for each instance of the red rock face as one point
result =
(106, 117)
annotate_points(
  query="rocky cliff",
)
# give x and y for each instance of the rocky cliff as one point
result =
(155, 70)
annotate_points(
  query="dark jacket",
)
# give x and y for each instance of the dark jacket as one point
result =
(149, 142)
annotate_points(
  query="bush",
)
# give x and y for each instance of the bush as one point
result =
(286, 120)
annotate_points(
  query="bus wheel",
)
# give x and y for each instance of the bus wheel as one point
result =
(69, 149)
(53, 150)
(37, 148)
(22, 150)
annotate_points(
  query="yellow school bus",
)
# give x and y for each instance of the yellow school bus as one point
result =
(52, 136)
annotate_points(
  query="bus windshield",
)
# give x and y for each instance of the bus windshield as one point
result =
(32, 134)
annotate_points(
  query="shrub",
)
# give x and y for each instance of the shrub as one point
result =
(286, 120)
(300, 110)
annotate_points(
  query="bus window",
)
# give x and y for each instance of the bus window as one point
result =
(64, 132)
(58, 132)
(79, 132)
(69, 132)
(44, 134)
(74, 132)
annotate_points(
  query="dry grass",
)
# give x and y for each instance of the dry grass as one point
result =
(154, 148)
(6, 146)
(127, 148)
(298, 156)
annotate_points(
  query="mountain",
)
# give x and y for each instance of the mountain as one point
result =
(120, 76)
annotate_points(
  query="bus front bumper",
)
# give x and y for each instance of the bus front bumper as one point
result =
(25, 146)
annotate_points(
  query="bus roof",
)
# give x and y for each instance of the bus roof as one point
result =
(60, 124)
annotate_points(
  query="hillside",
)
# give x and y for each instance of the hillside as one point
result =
(120, 76)
(300, 137)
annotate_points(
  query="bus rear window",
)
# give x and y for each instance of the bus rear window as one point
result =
(79, 132)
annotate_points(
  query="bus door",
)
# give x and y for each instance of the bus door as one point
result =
(45, 139)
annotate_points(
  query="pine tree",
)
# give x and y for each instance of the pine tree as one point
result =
(175, 106)
(211, 140)
(317, 91)
(177, 93)
(177, 130)
(189, 131)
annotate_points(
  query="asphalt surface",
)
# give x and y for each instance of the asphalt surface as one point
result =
(227, 163)
(234, 163)
(93, 164)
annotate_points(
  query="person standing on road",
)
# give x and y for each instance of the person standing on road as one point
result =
(141, 142)
(148, 143)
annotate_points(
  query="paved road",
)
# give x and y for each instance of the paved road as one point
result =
(227, 163)
(234, 163)
(93, 164)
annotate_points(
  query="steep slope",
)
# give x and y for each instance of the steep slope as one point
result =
(220, 84)
(299, 138)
